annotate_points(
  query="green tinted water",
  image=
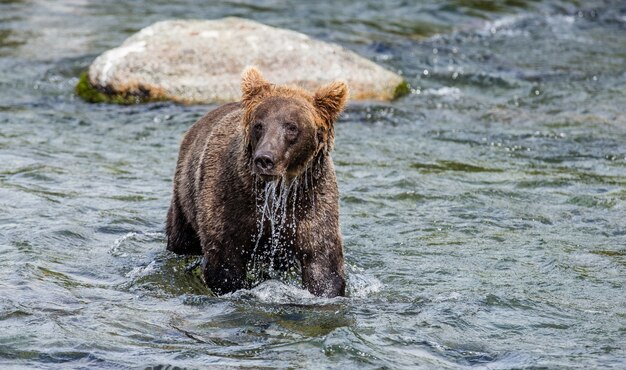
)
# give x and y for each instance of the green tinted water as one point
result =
(484, 215)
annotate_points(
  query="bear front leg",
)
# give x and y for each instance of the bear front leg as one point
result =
(320, 251)
(181, 236)
(223, 272)
(323, 274)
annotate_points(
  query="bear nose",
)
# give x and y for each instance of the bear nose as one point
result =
(264, 161)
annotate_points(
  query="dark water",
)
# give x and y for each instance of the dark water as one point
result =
(484, 215)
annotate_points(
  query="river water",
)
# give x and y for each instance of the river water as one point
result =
(484, 215)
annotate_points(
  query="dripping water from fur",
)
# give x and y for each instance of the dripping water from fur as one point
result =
(277, 205)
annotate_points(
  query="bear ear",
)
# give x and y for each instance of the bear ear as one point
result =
(253, 85)
(331, 99)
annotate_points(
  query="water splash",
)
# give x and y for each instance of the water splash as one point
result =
(360, 284)
(132, 241)
(274, 291)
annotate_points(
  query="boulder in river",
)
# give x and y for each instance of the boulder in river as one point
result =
(200, 61)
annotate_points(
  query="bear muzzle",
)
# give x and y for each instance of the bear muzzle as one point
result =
(264, 162)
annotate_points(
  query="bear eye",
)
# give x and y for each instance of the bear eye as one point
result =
(292, 128)
(258, 128)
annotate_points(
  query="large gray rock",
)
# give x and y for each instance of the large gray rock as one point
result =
(200, 61)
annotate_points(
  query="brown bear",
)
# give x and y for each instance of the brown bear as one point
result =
(255, 190)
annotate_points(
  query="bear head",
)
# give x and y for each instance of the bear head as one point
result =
(286, 127)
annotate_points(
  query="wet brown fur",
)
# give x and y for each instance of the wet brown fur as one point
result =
(213, 210)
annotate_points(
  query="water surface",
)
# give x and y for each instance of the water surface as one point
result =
(484, 215)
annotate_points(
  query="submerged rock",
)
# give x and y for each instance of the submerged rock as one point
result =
(200, 61)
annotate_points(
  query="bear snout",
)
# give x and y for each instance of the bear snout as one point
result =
(264, 162)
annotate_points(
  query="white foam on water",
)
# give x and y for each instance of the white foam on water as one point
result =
(503, 26)
(362, 285)
(453, 92)
(116, 249)
(275, 291)
(141, 271)
(452, 296)
(120, 248)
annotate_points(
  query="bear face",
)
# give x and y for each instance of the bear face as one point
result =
(285, 126)
(283, 138)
